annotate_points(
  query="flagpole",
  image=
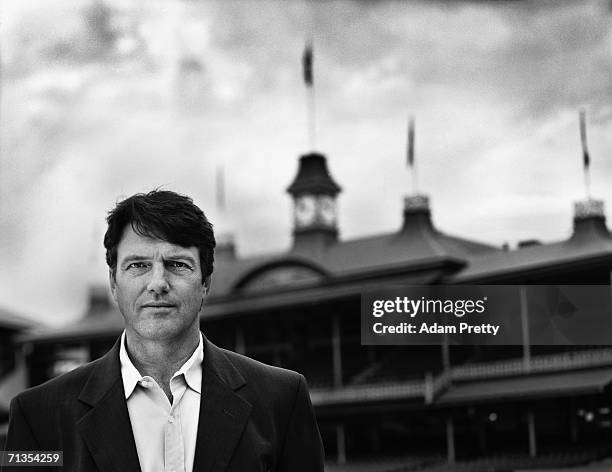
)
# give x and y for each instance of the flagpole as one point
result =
(410, 155)
(587, 184)
(308, 70)
(586, 160)
(220, 189)
(311, 103)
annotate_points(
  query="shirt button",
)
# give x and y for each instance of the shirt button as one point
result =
(171, 419)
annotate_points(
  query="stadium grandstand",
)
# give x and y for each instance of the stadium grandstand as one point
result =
(396, 408)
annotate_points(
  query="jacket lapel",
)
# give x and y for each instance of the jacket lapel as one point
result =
(107, 431)
(223, 413)
(106, 428)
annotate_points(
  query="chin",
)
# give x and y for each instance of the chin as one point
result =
(157, 330)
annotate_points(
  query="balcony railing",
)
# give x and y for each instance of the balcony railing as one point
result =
(538, 364)
(430, 386)
(365, 393)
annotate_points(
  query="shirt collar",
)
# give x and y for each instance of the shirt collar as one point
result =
(129, 373)
(191, 369)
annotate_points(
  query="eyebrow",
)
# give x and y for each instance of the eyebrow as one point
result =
(171, 257)
(179, 255)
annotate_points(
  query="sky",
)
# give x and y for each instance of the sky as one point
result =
(100, 100)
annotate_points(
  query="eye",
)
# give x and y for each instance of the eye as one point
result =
(137, 265)
(178, 266)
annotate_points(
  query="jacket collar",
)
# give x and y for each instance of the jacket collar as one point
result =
(106, 428)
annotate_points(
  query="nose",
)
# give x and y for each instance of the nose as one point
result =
(158, 283)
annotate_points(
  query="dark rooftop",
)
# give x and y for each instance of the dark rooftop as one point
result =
(9, 320)
(589, 242)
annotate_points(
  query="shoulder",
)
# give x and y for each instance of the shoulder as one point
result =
(257, 371)
(263, 380)
(274, 392)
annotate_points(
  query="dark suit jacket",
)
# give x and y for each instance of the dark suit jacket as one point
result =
(253, 417)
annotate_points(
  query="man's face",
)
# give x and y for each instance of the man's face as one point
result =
(158, 287)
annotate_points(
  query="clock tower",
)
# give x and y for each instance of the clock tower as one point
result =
(315, 219)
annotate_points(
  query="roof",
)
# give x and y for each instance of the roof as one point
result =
(108, 323)
(102, 319)
(417, 242)
(589, 242)
(313, 176)
(579, 382)
(15, 322)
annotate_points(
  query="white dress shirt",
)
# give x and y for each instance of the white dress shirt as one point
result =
(165, 434)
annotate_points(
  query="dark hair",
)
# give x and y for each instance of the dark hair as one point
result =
(164, 215)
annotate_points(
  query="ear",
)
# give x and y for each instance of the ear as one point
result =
(206, 284)
(113, 284)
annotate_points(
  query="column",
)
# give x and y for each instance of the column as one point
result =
(525, 329)
(532, 433)
(340, 443)
(573, 421)
(337, 351)
(450, 440)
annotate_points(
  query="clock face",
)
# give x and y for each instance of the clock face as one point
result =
(327, 210)
(305, 210)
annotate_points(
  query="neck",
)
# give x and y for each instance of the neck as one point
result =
(160, 359)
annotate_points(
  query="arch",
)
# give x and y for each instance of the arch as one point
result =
(280, 273)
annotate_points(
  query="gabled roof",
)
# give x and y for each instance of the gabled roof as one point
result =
(591, 241)
(407, 247)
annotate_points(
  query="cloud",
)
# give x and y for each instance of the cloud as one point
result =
(107, 102)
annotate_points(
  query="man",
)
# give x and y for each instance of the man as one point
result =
(164, 398)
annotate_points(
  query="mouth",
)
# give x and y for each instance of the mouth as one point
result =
(158, 305)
